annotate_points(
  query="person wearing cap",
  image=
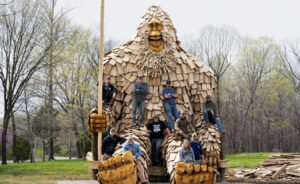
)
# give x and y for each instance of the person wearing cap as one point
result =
(210, 113)
(156, 129)
(111, 143)
(108, 93)
(183, 126)
(170, 96)
(197, 148)
(139, 94)
(135, 149)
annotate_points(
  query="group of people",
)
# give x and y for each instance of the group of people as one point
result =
(169, 94)
(191, 151)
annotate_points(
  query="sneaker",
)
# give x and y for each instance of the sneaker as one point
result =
(140, 123)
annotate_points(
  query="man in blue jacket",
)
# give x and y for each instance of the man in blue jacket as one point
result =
(197, 148)
(170, 96)
(136, 152)
(139, 95)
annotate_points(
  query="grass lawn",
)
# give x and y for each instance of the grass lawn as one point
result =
(50, 172)
(44, 172)
(248, 160)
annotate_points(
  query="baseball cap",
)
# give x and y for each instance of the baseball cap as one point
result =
(156, 116)
(182, 112)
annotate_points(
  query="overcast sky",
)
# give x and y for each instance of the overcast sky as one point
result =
(279, 19)
(276, 18)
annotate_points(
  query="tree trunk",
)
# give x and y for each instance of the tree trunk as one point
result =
(244, 122)
(29, 127)
(50, 145)
(51, 94)
(4, 132)
(78, 151)
(70, 143)
(298, 140)
(44, 150)
(251, 129)
(14, 132)
(218, 95)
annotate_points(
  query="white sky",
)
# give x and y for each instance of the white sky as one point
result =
(276, 18)
(279, 19)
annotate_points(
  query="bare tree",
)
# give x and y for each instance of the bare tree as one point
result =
(290, 56)
(217, 47)
(22, 53)
(255, 62)
(57, 36)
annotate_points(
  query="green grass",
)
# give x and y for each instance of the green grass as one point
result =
(247, 160)
(50, 172)
(43, 172)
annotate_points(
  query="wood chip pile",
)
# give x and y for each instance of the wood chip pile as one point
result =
(280, 167)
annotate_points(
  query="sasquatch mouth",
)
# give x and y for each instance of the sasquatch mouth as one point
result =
(155, 38)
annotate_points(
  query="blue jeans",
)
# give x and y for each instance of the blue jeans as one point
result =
(171, 110)
(141, 105)
(156, 149)
(208, 117)
(198, 161)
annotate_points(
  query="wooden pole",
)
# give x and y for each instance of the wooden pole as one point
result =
(100, 76)
(97, 137)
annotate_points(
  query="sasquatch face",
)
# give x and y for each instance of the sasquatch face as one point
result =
(156, 43)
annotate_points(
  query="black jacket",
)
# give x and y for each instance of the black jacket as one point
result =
(107, 92)
(109, 144)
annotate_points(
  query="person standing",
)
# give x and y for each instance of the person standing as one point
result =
(108, 93)
(197, 148)
(156, 129)
(111, 143)
(135, 149)
(183, 126)
(186, 153)
(139, 94)
(210, 113)
(170, 96)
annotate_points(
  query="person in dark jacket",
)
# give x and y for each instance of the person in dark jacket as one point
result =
(197, 148)
(139, 94)
(111, 143)
(210, 113)
(108, 92)
(156, 129)
(186, 154)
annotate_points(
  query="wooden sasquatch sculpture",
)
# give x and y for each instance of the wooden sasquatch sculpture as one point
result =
(155, 52)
